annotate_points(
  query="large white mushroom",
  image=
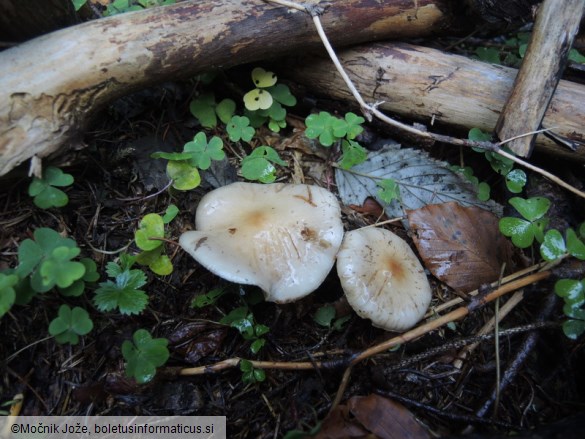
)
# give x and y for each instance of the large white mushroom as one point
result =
(280, 237)
(383, 279)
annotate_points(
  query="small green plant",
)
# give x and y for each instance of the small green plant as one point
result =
(148, 237)
(243, 320)
(70, 324)
(123, 293)
(209, 298)
(524, 230)
(515, 178)
(183, 167)
(325, 316)
(206, 110)
(483, 189)
(259, 164)
(122, 6)
(7, 292)
(265, 103)
(239, 128)
(330, 130)
(45, 190)
(143, 355)
(250, 374)
(573, 293)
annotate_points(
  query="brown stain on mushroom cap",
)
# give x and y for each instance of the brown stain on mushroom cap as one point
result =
(395, 268)
(256, 218)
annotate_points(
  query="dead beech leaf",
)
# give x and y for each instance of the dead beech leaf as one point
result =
(461, 246)
(372, 416)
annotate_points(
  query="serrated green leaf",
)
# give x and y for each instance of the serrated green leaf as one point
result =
(388, 190)
(553, 246)
(151, 226)
(352, 154)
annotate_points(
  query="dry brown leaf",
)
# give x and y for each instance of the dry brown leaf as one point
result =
(461, 246)
(372, 416)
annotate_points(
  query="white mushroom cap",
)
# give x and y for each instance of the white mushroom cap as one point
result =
(280, 237)
(382, 278)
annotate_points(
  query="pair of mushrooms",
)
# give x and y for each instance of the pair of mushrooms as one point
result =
(284, 238)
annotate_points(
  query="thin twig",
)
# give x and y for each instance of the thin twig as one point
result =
(372, 110)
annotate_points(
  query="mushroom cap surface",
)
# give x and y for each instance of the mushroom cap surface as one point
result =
(280, 237)
(383, 279)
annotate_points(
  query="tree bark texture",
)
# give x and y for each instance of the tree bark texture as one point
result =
(50, 86)
(432, 86)
(541, 70)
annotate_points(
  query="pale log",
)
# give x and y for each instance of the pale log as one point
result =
(435, 87)
(50, 86)
(541, 69)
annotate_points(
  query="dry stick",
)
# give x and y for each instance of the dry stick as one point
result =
(370, 110)
(435, 324)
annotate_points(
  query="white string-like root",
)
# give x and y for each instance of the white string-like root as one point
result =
(372, 110)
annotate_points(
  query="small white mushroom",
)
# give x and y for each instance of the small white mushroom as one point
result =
(383, 279)
(280, 237)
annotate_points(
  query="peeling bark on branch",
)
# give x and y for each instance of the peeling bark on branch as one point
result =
(429, 85)
(51, 86)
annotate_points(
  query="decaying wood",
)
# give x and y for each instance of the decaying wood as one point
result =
(541, 70)
(435, 87)
(50, 86)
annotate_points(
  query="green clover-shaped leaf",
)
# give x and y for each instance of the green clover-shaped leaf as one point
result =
(157, 261)
(225, 110)
(151, 226)
(349, 127)
(531, 208)
(203, 108)
(78, 287)
(321, 126)
(259, 164)
(553, 246)
(263, 78)
(520, 230)
(70, 324)
(258, 99)
(575, 246)
(58, 269)
(516, 180)
(7, 292)
(143, 355)
(281, 93)
(352, 154)
(478, 135)
(573, 329)
(571, 290)
(170, 213)
(185, 176)
(45, 194)
(203, 152)
(239, 129)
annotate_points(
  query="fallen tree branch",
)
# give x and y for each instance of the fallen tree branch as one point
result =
(52, 85)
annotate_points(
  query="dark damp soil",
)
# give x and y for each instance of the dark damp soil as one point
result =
(116, 184)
